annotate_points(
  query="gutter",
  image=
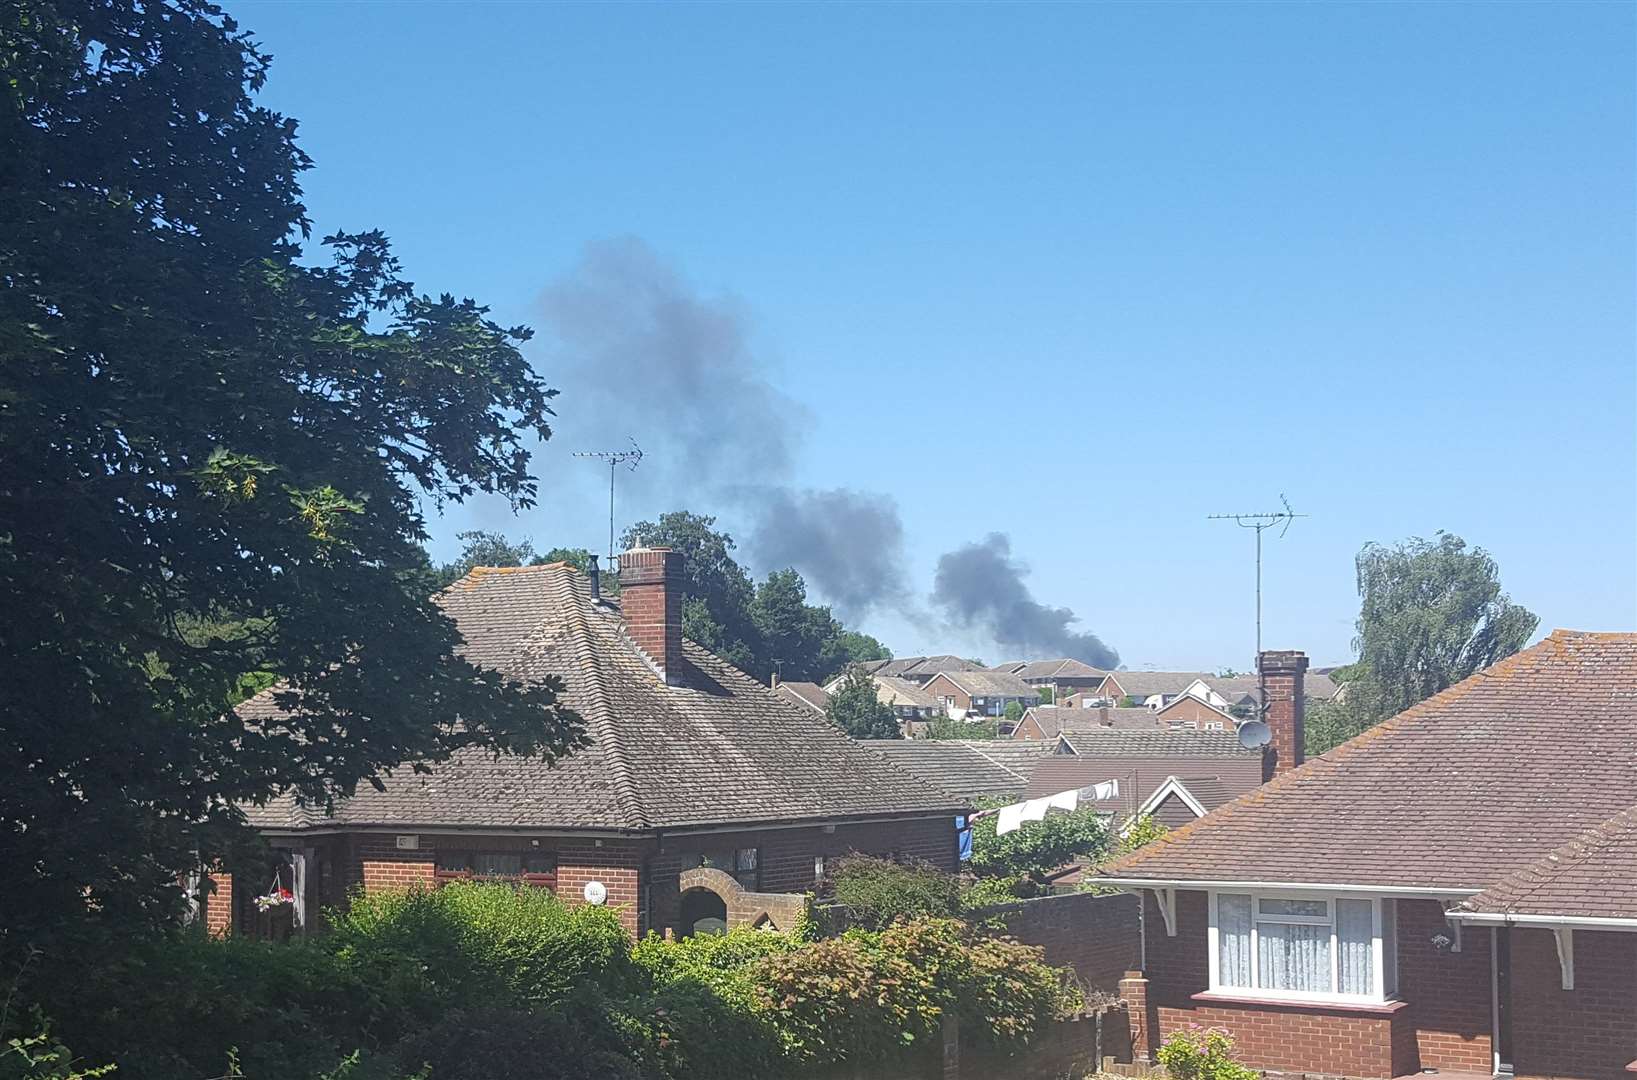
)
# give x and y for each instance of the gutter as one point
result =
(1270, 886)
(342, 828)
(1570, 922)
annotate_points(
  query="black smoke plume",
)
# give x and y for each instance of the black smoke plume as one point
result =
(638, 352)
(981, 588)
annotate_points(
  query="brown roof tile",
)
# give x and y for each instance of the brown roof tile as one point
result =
(1592, 876)
(1456, 793)
(721, 749)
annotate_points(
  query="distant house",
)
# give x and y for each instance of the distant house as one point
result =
(910, 702)
(915, 669)
(1454, 891)
(1238, 692)
(1211, 766)
(1047, 722)
(967, 768)
(983, 692)
(1152, 689)
(1062, 677)
(1188, 711)
(703, 798)
(809, 694)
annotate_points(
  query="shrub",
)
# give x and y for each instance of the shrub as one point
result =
(40, 1057)
(566, 1042)
(1202, 1054)
(1039, 847)
(988, 892)
(874, 893)
(471, 945)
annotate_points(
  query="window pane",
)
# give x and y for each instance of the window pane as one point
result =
(1311, 909)
(1292, 956)
(498, 864)
(538, 862)
(454, 862)
(1233, 939)
(1355, 941)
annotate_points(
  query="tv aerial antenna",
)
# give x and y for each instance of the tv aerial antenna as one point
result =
(614, 459)
(1260, 523)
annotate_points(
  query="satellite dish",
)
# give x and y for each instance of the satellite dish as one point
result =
(1254, 733)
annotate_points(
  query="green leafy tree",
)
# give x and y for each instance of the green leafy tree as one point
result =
(1048, 695)
(947, 727)
(1014, 712)
(857, 708)
(854, 647)
(1432, 613)
(1039, 847)
(794, 634)
(718, 593)
(213, 447)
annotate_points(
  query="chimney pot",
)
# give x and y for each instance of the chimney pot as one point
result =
(651, 603)
(1283, 679)
(595, 573)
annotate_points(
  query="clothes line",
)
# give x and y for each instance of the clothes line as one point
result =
(1012, 817)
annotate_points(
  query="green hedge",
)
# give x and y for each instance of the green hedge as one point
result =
(490, 982)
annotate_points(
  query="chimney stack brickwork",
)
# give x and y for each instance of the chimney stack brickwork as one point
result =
(651, 604)
(1284, 677)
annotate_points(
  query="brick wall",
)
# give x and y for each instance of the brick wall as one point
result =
(1588, 1032)
(940, 687)
(1189, 708)
(617, 864)
(1444, 1023)
(1097, 936)
(219, 906)
(1448, 992)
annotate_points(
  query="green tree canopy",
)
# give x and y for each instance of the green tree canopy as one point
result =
(212, 451)
(1432, 613)
(857, 709)
(1039, 847)
(763, 628)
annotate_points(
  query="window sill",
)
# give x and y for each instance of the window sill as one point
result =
(1387, 1008)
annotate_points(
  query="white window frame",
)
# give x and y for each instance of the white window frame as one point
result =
(1379, 949)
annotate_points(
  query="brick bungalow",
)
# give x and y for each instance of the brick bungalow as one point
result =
(1047, 722)
(1454, 890)
(704, 797)
(980, 693)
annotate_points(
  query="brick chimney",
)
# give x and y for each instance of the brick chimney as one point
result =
(651, 604)
(1284, 677)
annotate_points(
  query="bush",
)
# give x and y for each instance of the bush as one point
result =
(471, 945)
(1202, 1054)
(874, 893)
(1039, 847)
(566, 1042)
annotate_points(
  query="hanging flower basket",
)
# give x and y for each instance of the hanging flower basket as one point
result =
(277, 897)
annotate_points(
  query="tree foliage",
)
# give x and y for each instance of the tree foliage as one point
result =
(978, 727)
(1039, 847)
(763, 628)
(856, 708)
(212, 452)
(1432, 613)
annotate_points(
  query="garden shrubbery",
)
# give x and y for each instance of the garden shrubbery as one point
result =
(490, 982)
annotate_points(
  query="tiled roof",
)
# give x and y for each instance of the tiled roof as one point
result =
(1213, 778)
(1054, 669)
(720, 749)
(1146, 683)
(1054, 720)
(1592, 876)
(985, 684)
(1106, 742)
(968, 768)
(809, 694)
(1315, 687)
(922, 666)
(893, 691)
(1457, 792)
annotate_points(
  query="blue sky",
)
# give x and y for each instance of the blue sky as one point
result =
(1078, 274)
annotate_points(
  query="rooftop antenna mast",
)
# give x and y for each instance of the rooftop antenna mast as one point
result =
(1261, 522)
(614, 458)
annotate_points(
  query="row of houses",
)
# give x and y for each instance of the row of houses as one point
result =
(1454, 891)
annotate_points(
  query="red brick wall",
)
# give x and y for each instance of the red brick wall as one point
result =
(1589, 1032)
(1444, 1024)
(1448, 992)
(1187, 707)
(219, 906)
(1097, 936)
(617, 864)
(940, 687)
(651, 605)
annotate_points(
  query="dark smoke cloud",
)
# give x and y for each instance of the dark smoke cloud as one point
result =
(638, 352)
(982, 589)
